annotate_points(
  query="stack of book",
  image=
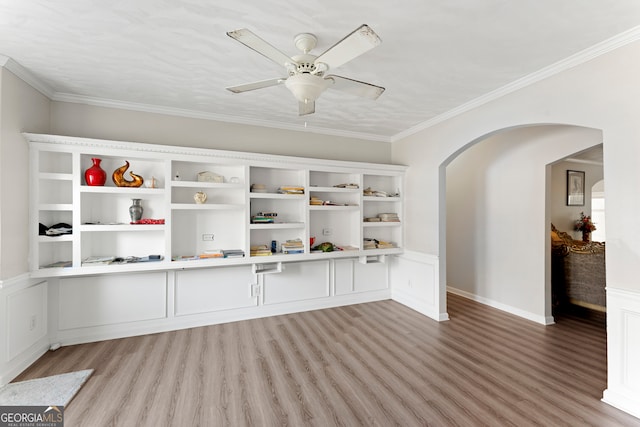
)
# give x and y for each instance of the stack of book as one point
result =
(291, 189)
(261, 219)
(293, 247)
(258, 188)
(233, 253)
(314, 201)
(213, 253)
(369, 243)
(98, 260)
(260, 250)
(375, 193)
(347, 185)
(377, 244)
(389, 217)
(385, 245)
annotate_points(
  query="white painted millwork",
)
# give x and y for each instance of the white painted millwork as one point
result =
(623, 348)
(101, 224)
(89, 303)
(24, 334)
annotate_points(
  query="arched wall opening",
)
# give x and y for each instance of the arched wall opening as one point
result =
(495, 212)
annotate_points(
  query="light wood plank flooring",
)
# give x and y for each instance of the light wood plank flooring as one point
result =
(375, 364)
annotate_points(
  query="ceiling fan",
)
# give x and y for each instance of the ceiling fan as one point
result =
(307, 77)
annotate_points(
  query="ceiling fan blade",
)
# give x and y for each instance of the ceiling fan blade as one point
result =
(265, 49)
(355, 44)
(305, 108)
(355, 87)
(256, 85)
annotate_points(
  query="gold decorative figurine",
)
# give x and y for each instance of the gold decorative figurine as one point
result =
(120, 181)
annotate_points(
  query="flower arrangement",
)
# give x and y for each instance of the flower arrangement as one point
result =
(584, 224)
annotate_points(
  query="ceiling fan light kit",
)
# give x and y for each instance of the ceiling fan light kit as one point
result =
(306, 73)
(307, 87)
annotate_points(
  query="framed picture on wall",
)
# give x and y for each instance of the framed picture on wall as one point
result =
(575, 188)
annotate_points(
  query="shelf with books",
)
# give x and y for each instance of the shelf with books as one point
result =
(238, 187)
(195, 232)
(122, 243)
(335, 180)
(55, 253)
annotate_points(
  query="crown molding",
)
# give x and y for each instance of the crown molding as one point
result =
(46, 90)
(148, 108)
(579, 58)
(26, 76)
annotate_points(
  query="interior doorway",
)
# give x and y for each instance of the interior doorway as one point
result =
(496, 208)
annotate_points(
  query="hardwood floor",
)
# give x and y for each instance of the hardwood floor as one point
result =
(375, 364)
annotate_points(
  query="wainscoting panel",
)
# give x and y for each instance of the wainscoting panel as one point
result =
(623, 350)
(414, 283)
(24, 326)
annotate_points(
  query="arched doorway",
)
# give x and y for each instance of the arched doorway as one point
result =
(496, 207)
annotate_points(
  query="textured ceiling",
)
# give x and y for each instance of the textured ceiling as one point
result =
(435, 56)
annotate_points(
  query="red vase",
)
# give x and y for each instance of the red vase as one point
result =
(95, 175)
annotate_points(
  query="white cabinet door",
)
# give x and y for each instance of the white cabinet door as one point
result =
(110, 299)
(213, 289)
(352, 276)
(298, 281)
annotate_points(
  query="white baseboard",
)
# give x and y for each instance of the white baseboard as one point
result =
(544, 320)
(410, 300)
(629, 403)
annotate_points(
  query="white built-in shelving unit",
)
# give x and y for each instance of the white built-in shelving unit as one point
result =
(89, 302)
(101, 225)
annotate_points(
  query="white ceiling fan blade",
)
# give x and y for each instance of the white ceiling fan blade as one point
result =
(355, 87)
(305, 108)
(256, 85)
(265, 49)
(353, 45)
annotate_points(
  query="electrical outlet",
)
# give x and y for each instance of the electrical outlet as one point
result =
(207, 237)
(327, 231)
(32, 322)
(255, 290)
